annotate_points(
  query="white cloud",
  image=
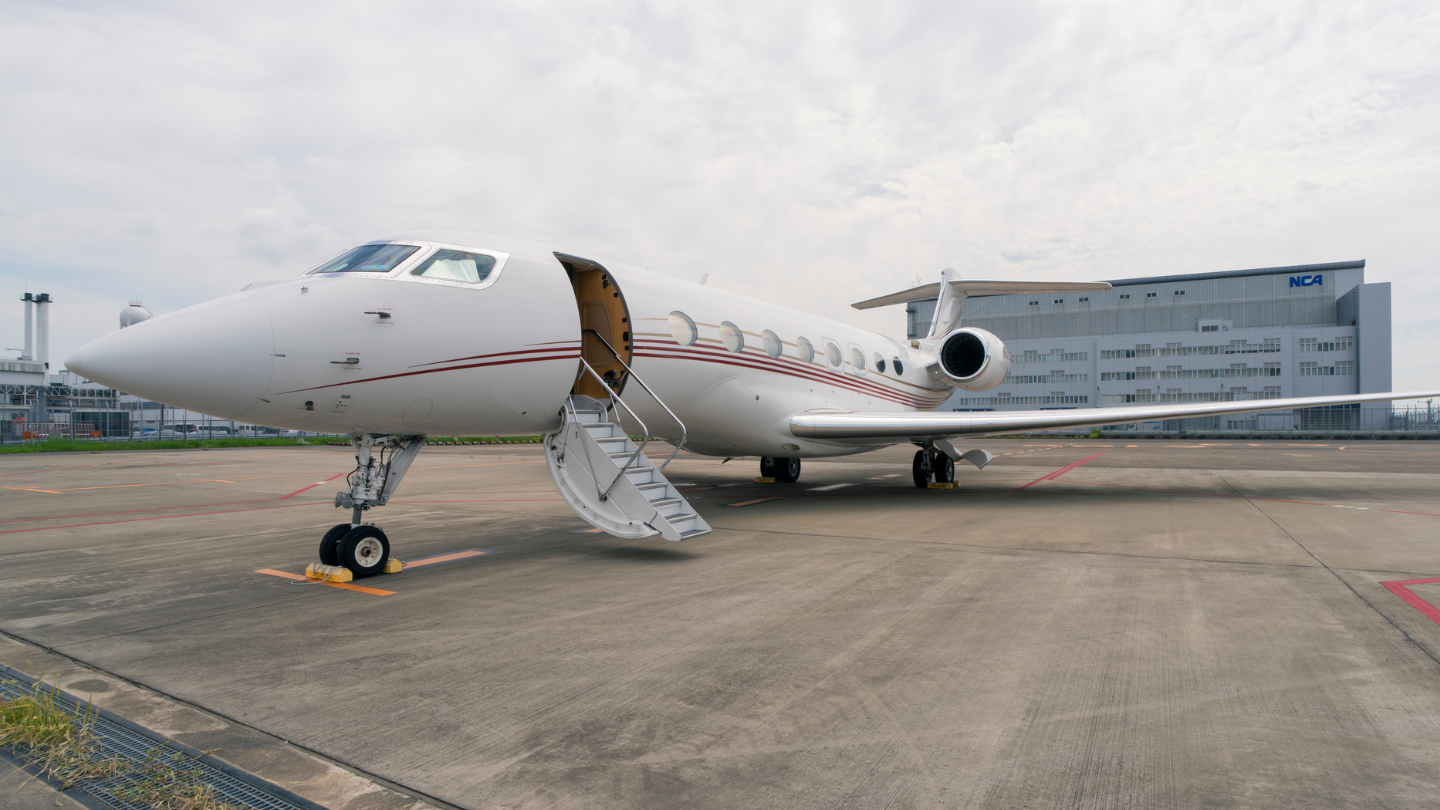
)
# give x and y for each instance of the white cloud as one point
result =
(817, 153)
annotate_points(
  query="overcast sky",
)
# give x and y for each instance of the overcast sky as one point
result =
(810, 153)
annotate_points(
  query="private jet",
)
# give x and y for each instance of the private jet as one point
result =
(454, 334)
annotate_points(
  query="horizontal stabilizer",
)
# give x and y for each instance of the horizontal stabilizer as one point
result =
(967, 287)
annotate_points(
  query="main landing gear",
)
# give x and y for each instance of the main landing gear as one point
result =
(380, 463)
(932, 464)
(783, 470)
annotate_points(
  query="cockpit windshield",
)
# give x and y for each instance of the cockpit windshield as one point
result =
(455, 265)
(367, 259)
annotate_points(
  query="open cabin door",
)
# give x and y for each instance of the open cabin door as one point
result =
(602, 312)
(600, 470)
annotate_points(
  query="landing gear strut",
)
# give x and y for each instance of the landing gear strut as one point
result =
(783, 470)
(363, 547)
(931, 463)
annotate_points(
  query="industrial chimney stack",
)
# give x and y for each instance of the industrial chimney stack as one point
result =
(37, 328)
(29, 301)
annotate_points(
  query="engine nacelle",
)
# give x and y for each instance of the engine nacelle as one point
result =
(973, 359)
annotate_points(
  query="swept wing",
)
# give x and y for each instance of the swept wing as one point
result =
(860, 427)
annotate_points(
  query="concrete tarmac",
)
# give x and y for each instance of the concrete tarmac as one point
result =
(1082, 624)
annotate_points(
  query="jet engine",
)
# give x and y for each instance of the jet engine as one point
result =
(973, 359)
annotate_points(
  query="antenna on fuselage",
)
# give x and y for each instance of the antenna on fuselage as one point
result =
(704, 279)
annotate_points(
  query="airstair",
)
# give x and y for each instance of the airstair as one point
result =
(607, 478)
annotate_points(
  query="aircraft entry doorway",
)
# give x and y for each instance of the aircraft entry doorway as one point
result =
(602, 313)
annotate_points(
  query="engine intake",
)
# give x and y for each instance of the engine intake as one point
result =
(974, 359)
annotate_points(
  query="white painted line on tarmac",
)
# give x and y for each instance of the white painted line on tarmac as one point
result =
(829, 487)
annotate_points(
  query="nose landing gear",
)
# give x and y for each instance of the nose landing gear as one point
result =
(362, 547)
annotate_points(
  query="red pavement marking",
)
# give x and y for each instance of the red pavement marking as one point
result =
(757, 500)
(132, 511)
(1398, 588)
(1067, 468)
(1246, 497)
(162, 517)
(155, 509)
(312, 486)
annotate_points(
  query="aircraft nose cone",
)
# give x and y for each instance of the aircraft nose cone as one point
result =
(214, 358)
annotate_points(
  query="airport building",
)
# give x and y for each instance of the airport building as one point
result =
(1266, 333)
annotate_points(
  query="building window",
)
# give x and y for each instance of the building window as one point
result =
(1151, 295)
(1179, 292)
(1125, 296)
(1034, 303)
(1084, 300)
(1211, 327)
(1341, 344)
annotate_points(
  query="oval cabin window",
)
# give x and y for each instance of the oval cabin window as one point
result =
(773, 346)
(807, 351)
(899, 367)
(879, 363)
(857, 358)
(832, 353)
(731, 336)
(683, 329)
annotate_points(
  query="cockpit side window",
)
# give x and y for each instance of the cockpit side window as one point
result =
(367, 259)
(454, 265)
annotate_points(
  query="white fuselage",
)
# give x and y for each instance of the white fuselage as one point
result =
(395, 353)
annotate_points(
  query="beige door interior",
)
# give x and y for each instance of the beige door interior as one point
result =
(602, 313)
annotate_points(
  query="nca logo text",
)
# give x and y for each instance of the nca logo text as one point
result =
(1307, 281)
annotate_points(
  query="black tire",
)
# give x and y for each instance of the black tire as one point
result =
(944, 468)
(330, 544)
(364, 550)
(767, 467)
(787, 470)
(917, 469)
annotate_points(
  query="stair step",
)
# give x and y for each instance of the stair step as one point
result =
(659, 506)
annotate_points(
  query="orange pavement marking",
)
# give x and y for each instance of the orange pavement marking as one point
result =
(33, 489)
(344, 585)
(459, 555)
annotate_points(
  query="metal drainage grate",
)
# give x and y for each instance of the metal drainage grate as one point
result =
(115, 740)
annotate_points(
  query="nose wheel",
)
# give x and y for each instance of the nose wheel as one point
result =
(362, 549)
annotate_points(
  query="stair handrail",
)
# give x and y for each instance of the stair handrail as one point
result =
(645, 432)
(684, 434)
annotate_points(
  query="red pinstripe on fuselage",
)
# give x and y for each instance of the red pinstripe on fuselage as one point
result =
(786, 366)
